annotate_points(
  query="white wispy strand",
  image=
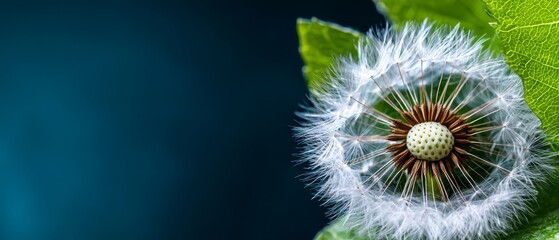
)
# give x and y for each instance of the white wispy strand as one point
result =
(338, 155)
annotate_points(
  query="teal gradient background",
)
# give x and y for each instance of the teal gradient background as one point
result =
(156, 119)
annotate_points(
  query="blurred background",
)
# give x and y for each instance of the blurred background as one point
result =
(156, 119)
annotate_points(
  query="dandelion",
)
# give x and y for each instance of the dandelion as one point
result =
(424, 135)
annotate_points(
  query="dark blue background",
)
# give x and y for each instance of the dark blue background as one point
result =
(156, 119)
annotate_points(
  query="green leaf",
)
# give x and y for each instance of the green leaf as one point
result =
(320, 44)
(543, 227)
(337, 231)
(469, 13)
(528, 31)
(528, 34)
(545, 223)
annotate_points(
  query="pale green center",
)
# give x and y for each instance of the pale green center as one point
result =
(429, 141)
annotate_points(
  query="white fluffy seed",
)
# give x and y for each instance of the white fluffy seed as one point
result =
(430, 141)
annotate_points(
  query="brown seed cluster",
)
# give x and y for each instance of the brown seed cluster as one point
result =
(443, 168)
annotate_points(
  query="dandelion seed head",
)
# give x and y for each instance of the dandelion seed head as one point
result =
(366, 138)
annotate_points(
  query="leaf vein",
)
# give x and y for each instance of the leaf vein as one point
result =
(530, 26)
(535, 60)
